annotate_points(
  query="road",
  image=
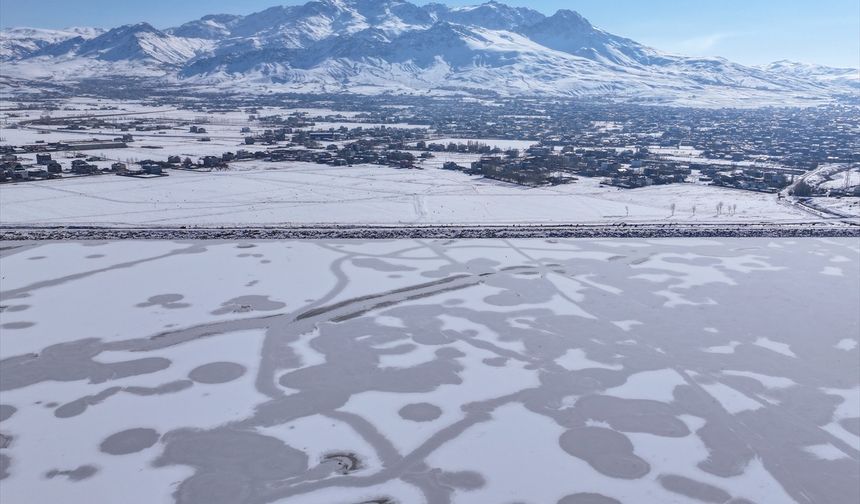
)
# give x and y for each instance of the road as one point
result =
(785, 198)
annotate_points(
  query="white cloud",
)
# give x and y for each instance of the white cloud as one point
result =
(702, 44)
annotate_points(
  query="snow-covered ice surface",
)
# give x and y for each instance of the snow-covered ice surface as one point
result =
(533, 371)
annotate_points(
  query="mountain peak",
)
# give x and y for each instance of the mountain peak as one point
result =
(142, 26)
(493, 15)
(132, 29)
(396, 44)
(571, 17)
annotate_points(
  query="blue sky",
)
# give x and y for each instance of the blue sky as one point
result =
(746, 31)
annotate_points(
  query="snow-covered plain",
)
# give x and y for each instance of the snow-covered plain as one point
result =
(261, 193)
(533, 371)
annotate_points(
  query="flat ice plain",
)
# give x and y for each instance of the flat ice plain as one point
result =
(524, 371)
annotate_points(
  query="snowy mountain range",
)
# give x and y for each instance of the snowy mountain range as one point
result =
(394, 46)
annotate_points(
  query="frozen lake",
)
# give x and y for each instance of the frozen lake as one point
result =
(528, 371)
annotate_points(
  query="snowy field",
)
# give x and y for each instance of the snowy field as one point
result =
(843, 206)
(530, 371)
(260, 193)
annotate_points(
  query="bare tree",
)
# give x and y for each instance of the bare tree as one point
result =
(802, 189)
(672, 209)
(720, 208)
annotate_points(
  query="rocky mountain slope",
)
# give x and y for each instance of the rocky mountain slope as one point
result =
(394, 46)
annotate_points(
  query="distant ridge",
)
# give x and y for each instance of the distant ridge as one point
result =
(394, 46)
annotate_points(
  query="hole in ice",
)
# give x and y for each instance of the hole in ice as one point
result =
(344, 463)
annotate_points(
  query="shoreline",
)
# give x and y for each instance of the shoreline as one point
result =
(752, 230)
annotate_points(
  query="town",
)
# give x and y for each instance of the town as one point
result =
(764, 150)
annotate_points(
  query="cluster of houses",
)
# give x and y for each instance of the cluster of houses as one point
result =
(544, 165)
(291, 121)
(268, 137)
(380, 146)
(520, 171)
(750, 179)
(572, 139)
(83, 145)
(798, 138)
(358, 152)
(13, 170)
(470, 147)
(82, 123)
(380, 135)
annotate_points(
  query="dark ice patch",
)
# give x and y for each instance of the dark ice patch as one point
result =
(380, 265)
(14, 308)
(71, 361)
(6, 411)
(17, 325)
(230, 464)
(5, 463)
(420, 412)
(78, 474)
(852, 425)
(588, 498)
(217, 372)
(693, 489)
(79, 406)
(610, 453)
(167, 301)
(631, 415)
(496, 361)
(464, 480)
(244, 304)
(129, 441)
